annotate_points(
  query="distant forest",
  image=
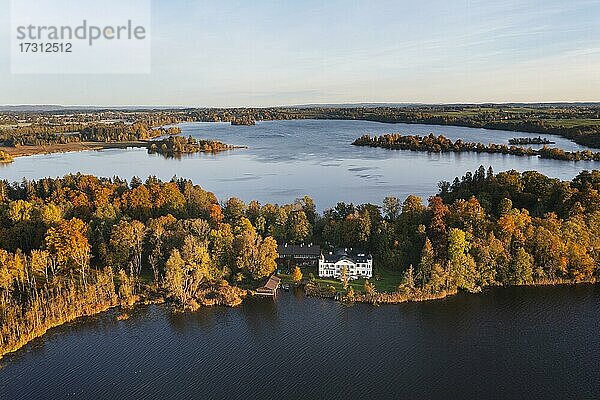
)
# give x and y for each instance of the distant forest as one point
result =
(580, 123)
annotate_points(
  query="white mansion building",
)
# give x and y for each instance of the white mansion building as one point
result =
(357, 264)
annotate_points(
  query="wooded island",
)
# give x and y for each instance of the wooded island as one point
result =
(441, 144)
(174, 146)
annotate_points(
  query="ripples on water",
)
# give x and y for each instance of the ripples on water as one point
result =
(289, 159)
(505, 343)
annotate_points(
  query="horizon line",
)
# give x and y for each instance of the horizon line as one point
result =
(316, 104)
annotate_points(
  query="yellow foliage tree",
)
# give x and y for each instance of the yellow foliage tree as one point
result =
(68, 244)
(297, 275)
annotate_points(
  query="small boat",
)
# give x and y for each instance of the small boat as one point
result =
(285, 286)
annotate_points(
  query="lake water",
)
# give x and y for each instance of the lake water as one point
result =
(288, 159)
(503, 343)
(535, 343)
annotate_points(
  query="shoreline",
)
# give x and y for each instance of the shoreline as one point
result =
(442, 145)
(377, 299)
(554, 131)
(26, 151)
(43, 330)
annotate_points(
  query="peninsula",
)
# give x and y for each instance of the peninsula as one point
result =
(78, 245)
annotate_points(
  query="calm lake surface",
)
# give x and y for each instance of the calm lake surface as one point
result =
(289, 159)
(503, 343)
(536, 343)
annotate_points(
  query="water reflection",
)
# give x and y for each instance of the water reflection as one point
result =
(261, 315)
(97, 325)
(205, 318)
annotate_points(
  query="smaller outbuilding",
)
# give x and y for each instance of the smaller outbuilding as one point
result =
(269, 288)
(301, 253)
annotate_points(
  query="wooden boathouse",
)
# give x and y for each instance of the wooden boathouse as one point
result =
(269, 288)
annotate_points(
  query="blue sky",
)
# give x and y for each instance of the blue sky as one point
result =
(260, 53)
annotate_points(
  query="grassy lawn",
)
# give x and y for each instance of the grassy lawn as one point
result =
(388, 280)
(384, 281)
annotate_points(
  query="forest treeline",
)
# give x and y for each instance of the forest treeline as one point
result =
(441, 144)
(578, 123)
(480, 230)
(529, 140)
(175, 145)
(157, 239)
(77, 244)
(244, 120)
(49, 134)
(125, 133)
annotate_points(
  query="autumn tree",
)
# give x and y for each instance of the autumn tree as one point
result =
(20, 210)
(437, 231)
(298, 227)
(344, 276)
(391, 207)
(297, 275)
(216, 215)
(186, 271)
(522, 268)
(234, 210)
(221, 244)
(407, 285)
(438, 280)
(198, 202)
(126, 287)
(369, 288)
(126, 243)
(68, 244)
(52, 214)
(253, 254)
(426, 264)
(461, 265)
(309, 208)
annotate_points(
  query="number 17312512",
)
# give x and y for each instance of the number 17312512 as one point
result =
(34, 47)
